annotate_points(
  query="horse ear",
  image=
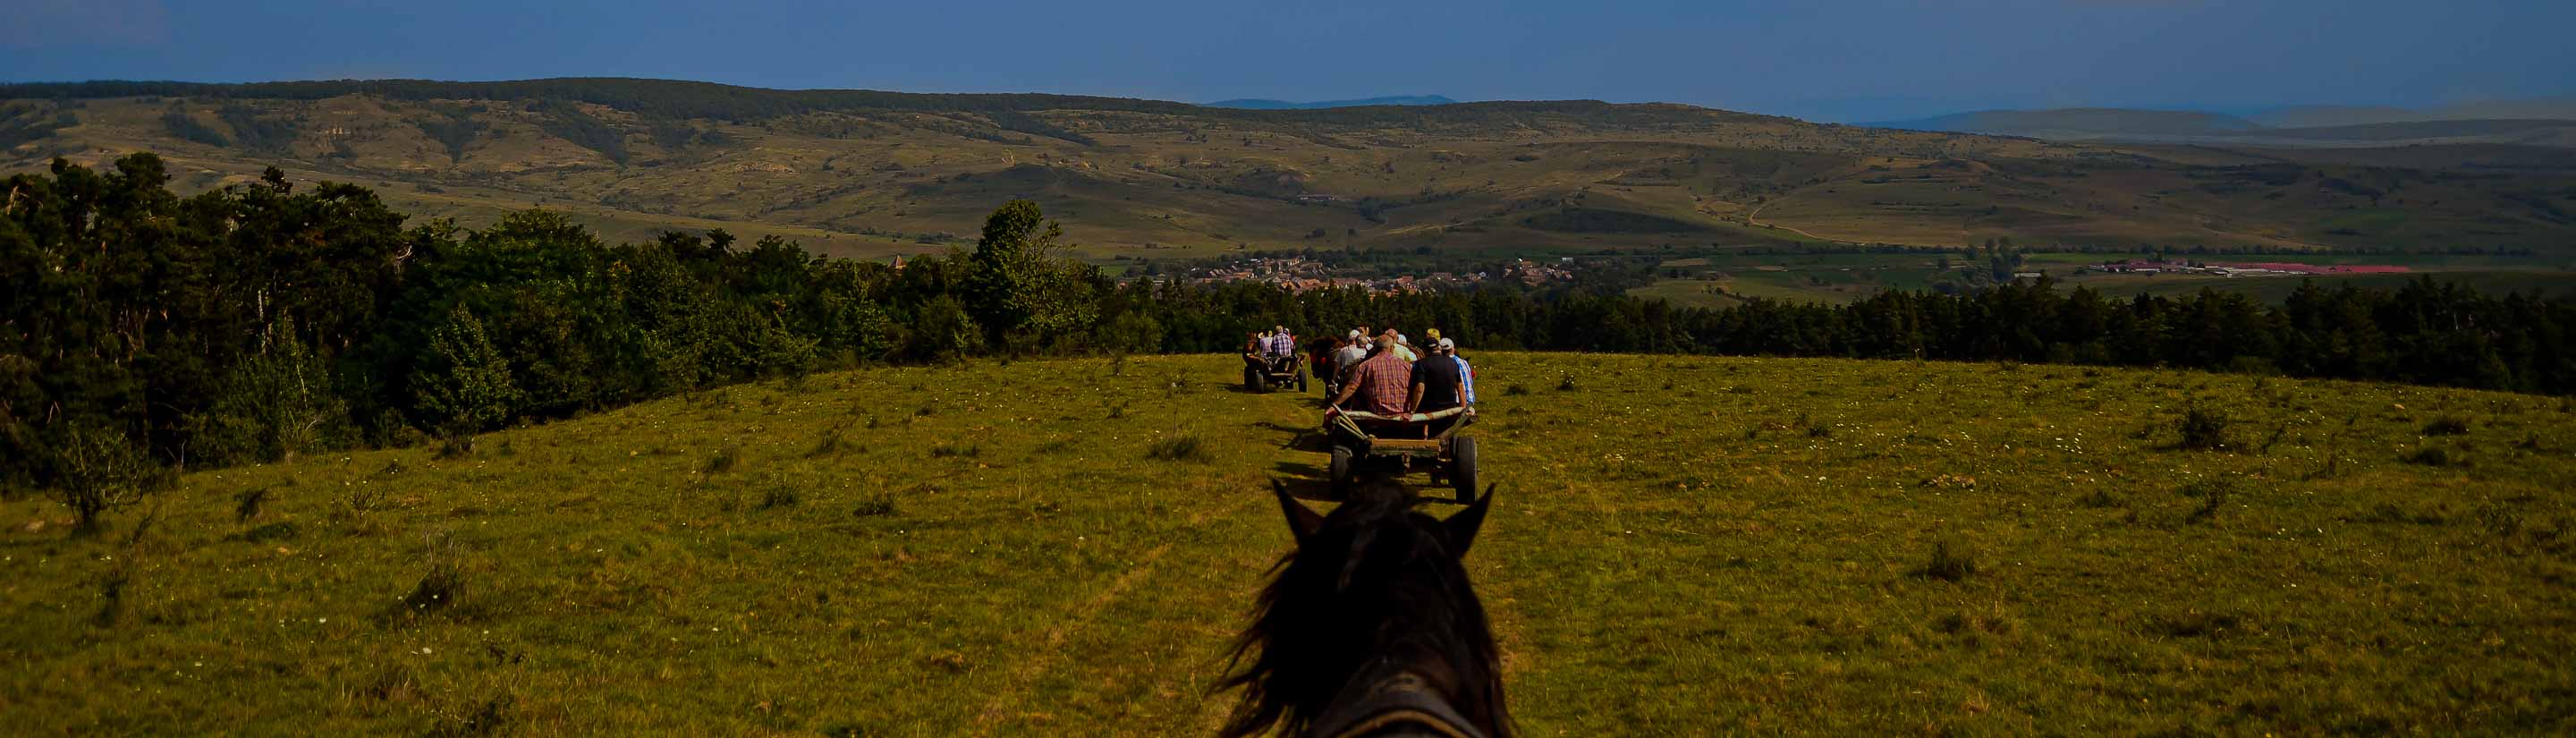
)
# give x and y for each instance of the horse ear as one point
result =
(1462, 526)
(1302, 521)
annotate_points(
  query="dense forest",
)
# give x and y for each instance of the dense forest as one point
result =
(146, 332)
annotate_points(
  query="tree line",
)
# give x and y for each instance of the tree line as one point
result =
(145, 332)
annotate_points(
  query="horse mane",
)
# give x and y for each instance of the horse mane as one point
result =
(1376, 588)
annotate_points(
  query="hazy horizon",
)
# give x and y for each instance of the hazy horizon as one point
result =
(1857, 61)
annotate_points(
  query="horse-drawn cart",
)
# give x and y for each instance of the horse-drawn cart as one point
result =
(1260, 373)
(1418, 441)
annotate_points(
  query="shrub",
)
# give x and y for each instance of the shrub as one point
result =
(874, 506)
(2435, 456)
(829, 445)
(1566, 384)
(1181, 447)
(1515, 390)
(725, 460)
(2447, 425)
(1952, 560)
(2195, 624)
(442, 584)
(2203, 430)
(2213, 494)
(777, 497)
(277, 531)
(456, 447)
(246, 506)
(98, 470)
(945, 451)
(111, 595)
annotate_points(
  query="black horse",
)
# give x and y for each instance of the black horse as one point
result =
(1369, 628)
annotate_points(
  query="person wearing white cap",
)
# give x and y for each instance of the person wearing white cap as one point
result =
(1466, 374)
(1349, 357)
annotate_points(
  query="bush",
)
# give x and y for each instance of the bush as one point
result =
(2447, 425)
(725, 460)
(455, 447)
(2203, 430)
(98, 470)
(1952, 561)
(246, 506)
(1566, 384)
(111, 595)
(829, 445)
(874, 506)
(947, 451)
(271, 407)
(1181, 447)
(443, 584)
(778, 497)
(2434, 456)
(1515, 390)
(2213, 494)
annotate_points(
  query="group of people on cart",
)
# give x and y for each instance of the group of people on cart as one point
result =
(1386, 376)
(1381, 374)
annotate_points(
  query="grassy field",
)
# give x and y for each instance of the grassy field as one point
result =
(1722, 279)
(1681, 546)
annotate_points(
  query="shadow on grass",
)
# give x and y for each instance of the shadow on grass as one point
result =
(1299, 439)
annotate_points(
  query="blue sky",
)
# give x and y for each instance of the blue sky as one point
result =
(1840, 60)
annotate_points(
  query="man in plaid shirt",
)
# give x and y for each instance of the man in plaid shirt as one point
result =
(1380, 384)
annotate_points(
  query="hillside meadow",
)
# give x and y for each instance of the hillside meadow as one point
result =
(872, 175)
(1680, 546)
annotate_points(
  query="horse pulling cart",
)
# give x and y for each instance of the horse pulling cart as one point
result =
(1260, 373)
(1425, 441)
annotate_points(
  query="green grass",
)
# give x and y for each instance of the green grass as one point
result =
(1962, 549)
(1848, 277)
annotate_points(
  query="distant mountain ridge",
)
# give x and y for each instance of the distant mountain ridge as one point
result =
(2540, 122)
(874, 173)
(1262, 104)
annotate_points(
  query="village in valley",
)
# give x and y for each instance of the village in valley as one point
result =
(2221, 269)
(1303, 274)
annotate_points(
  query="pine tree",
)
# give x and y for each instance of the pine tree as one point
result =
(469, 389)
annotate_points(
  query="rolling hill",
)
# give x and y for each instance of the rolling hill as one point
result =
(1259, 104)
(923, 551)
(2532, 123)
(872, 174)
(2083, 123)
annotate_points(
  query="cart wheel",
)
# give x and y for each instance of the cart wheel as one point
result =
(1340, 471)
(1255, 381)
(1462, 468)
(1301, 379)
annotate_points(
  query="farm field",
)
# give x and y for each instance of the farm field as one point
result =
(1721, 280)
(1679, 546)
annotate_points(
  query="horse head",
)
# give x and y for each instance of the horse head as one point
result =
(1370, 627)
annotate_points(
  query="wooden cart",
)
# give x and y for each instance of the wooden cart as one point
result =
(1399, 441)
(1262, 373)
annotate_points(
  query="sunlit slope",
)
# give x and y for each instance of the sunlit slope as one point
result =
(1681, 546)
(1160, 179)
